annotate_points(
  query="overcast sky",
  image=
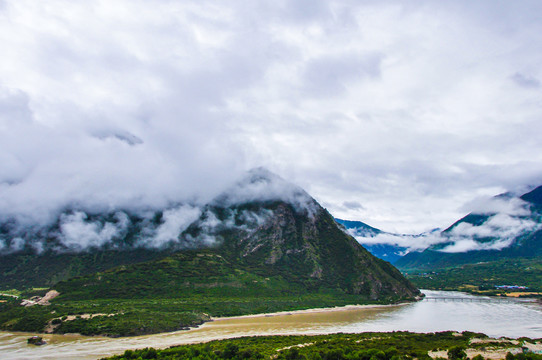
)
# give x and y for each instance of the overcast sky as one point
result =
(395, 113)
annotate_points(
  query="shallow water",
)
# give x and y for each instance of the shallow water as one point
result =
(515, 318)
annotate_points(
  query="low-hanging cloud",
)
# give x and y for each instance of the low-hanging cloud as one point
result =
(80, 231)
(77, 233)
(174, 222)
(503, 204)
(410, 243)
(505, 218)
(499, 231)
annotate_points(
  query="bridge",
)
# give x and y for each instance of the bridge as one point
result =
(472, 299)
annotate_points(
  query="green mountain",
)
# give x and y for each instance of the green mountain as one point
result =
(308, 251)
(263, 245)
(510, 230)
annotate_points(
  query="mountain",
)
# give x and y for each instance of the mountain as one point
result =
(263, 245)
(359, 228)
(307, 250)
(369, 237)
(275, 228)
(507, 227)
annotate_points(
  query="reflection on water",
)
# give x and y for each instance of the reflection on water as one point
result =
(512, 319)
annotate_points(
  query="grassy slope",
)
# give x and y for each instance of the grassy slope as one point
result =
(27, 270)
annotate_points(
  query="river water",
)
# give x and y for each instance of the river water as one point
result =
(443, 311)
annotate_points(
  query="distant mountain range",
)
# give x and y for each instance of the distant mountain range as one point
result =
(365, 234)
(506, 227)
(385, 245)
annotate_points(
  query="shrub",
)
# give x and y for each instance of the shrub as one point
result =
(457, 353)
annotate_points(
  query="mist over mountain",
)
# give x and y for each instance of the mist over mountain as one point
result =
(501, 226)
(388, 246)
(81, 228)
(505, 226)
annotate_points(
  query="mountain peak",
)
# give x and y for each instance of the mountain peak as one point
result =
(261, 173)
(261, 185)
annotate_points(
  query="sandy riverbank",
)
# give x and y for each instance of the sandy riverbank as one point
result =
(309, 311)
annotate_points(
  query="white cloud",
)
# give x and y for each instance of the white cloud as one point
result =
(506, 219)
(499, 231)
(17, 244)
(409, 242)
(503, 204)
(262, 185)
(411, 109)
(526, 81)
(464, 245)
(78, 233)
(174, 222)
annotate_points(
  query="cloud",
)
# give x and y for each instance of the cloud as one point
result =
(142, 104)
(352, 205)
(526, 81)
(506, 218)
(464, 245)
(262, 185)
(503, 204)
(77, 230)
(77, 233)
(124, 136)
(174, 222)
(408, 242)
(496, 233)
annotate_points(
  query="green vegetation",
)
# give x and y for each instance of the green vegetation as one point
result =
(173, 293)
(365, 346)
(27, 269)
(482, 277)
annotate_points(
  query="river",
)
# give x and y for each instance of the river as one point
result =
(444, 311)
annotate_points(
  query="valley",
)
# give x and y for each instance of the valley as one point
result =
(255, 250)
(490, 317)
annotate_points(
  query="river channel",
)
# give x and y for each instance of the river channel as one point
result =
(439, 312)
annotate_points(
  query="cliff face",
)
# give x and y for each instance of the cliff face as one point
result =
(307, 247)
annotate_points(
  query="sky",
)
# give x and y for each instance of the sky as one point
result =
(401, 114)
